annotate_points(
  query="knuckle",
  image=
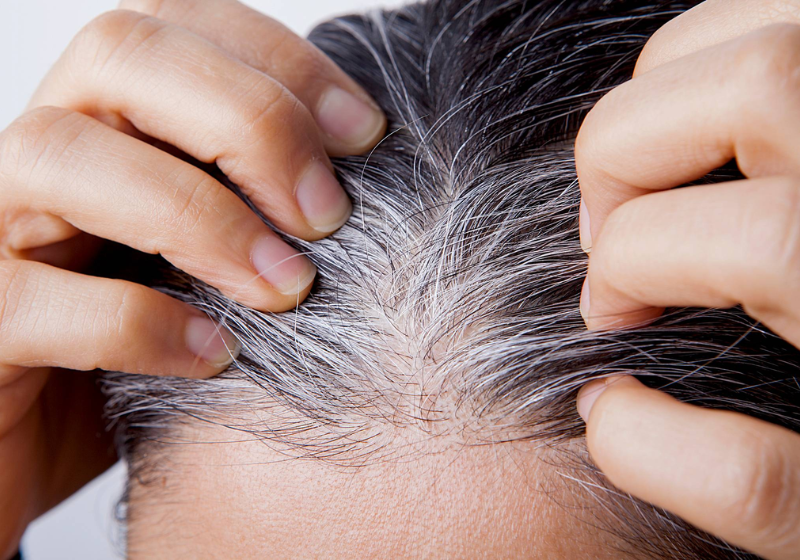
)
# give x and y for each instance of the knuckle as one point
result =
(274, 52)
(28, 137)
(132, 303)
(769, 63)
(272, 115)
(118, 31)
(764, 492)
(583, 141)
(581, 150)
(610, 263)
(298, 60)
(268, 105)
(595, 144)
(199, 197)
(620, 226)
(770, 234)
(108, 27)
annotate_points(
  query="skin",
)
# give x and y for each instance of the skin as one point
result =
(720, 82)
(224, 85)
(234, 497)
(100, 154)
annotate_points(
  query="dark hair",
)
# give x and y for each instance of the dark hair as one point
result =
(449, 302)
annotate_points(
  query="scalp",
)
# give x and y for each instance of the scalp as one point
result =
(446, 311)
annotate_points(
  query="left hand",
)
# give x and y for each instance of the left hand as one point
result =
(101, 155)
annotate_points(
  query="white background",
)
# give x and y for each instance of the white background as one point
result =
(32, 35)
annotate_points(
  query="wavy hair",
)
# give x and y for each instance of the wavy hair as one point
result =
(447, 307)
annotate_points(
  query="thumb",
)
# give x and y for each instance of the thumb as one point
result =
(733, 476)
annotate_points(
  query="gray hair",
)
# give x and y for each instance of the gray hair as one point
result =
(448, 304)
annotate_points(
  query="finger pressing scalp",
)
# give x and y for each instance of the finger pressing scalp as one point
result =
(50, 317)
(127, 191)
(726, 473)
(710, 23)
(350, 120)
(178, 88)
(703, 246)
(686, 118)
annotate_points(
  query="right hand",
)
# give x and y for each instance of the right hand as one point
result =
(220, 83)
(716, 83)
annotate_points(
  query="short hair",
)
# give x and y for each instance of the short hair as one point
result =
(448, 303)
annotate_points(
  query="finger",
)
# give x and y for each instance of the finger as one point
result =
(349, 118)
(24, 229)
(682, 120)
(710, 23)
(706, 246)
(30, 235)
(731, 475)
(111, 185)
(178, 88)
(51, 317)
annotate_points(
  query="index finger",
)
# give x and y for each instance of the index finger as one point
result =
(707, 25)
(350, 120)
(180, 89)
(710, 23)
(731, 475)
(684, 119)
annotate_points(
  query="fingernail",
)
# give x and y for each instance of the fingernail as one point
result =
(322, 199)
(282, 266)
(590, 392)
(585, 228)
(211, 342)
(585, 300)
(347, 118)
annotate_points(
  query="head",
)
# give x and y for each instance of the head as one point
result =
(420, 402)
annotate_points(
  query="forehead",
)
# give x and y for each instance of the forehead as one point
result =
(242, 499)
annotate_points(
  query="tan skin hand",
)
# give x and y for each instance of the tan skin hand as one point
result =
(720, 82)
(84, 164)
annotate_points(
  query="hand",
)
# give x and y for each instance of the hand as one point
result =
(92, 159)
(733, 476)
(720, 82)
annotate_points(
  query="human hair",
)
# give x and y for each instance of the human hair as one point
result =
(448, 306)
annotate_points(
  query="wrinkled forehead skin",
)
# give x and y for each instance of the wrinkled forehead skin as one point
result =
(234, 497)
